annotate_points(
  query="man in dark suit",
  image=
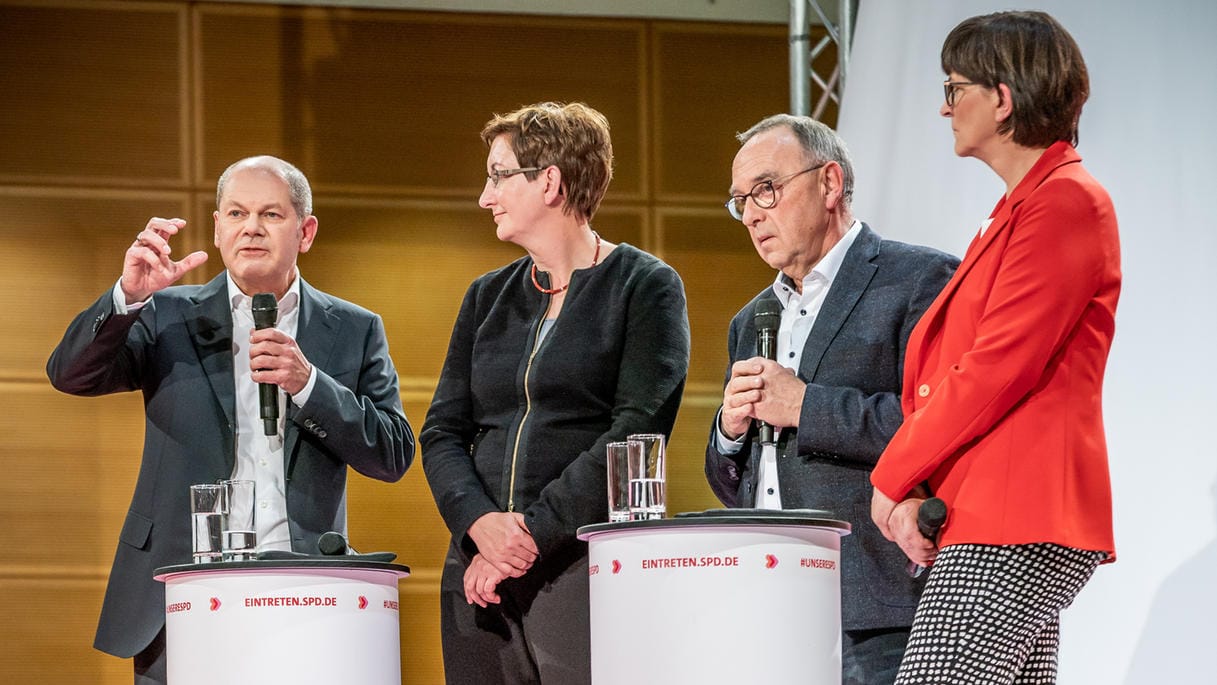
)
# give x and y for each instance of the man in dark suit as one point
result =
(848, 301)
(197, 357)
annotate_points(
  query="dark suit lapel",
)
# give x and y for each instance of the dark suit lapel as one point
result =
(317, 335)
(210, 326)
(852, 279)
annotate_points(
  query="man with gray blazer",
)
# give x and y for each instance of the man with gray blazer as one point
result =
(848, 301)
(197, 357)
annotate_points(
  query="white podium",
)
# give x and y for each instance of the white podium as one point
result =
(300, 621)
(731, 597)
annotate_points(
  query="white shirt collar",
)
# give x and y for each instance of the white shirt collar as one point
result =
(825, 270)
(239, 301)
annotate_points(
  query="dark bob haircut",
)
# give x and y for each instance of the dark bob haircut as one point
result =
(1037, 59)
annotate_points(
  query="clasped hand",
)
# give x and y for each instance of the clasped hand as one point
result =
(482, 580)
(505, 550)
(898, 523)
(764, 390)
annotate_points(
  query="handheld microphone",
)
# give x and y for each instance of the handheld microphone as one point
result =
(266, 312)
(333, 544)
(768, 318)
(931, 514)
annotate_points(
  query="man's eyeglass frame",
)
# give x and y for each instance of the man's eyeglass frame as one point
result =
(736, 204)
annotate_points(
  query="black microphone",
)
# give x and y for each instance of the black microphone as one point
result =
(333, 543)
(266, 312)
(931, 514)
(768, 318)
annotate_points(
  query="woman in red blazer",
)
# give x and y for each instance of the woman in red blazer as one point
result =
(1003, 374)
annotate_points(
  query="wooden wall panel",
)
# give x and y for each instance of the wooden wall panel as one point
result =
(710, 83)
(70, 469)
(422, 658)
(687, 487)
(396, 100)
(62, 250)
(48, 633)
(92, 92)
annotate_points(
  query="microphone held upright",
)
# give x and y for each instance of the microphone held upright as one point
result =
(768, 319)
(266, 312)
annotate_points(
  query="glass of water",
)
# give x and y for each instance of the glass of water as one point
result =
(617, 463)
(647, 472)
(240, 533)
(207, 511)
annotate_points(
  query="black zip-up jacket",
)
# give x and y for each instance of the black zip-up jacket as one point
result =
(513, 429)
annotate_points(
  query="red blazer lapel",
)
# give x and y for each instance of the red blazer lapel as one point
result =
(1056, 155)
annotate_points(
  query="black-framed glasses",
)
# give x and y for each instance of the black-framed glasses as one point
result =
(497, 175)
(951, 88)
(764, 194)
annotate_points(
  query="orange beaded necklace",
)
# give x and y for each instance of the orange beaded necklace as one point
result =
(554, 291)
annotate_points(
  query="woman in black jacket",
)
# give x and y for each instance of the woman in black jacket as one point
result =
(577, 344)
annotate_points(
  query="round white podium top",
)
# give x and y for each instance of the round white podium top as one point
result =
(727, 517)
(319, 564)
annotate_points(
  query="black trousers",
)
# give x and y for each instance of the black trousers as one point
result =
(539, 634)
(872, 657)
(149, 665)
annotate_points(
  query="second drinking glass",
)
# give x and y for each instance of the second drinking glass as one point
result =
(647, 471)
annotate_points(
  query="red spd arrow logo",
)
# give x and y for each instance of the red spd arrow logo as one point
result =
(215, 603)
(616, 566)
(363, 602)
(770, 561)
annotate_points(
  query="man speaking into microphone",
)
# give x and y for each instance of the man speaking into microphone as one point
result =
(801, 429)
(198, 355)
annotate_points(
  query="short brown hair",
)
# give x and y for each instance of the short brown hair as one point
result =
(1037, 59)
(572, 137)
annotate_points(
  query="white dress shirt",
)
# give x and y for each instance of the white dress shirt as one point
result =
(799, 312)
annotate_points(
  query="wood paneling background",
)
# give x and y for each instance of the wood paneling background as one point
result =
(115, 111)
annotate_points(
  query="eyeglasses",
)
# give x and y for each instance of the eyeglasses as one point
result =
(951, 88)
(497, 175)
(764, 194)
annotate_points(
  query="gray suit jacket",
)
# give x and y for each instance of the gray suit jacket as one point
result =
(853, 364)
(177, 350)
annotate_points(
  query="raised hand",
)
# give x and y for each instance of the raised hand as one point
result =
(147, 267)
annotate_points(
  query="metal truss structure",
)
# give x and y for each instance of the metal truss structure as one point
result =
(804, 79)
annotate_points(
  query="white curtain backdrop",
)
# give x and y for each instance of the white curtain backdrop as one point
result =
(1148, 135)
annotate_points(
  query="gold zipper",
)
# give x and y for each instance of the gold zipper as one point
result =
(515, 450)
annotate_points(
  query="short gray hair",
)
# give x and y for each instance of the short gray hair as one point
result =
(820, 144)
(297, 184)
